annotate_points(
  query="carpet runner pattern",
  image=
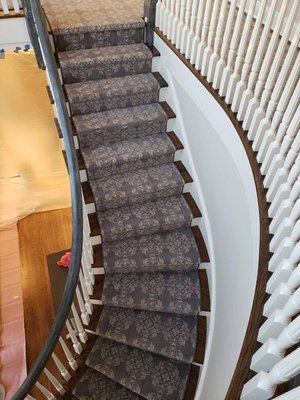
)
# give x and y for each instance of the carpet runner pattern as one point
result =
(147, 330)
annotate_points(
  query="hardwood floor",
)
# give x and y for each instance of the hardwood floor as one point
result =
(40, 234)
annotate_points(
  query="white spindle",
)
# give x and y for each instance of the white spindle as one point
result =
(287, 285)
(280, 318)
(171, 18)
(186, 29)
(28, 397)
(211, 36)
(196, 38)
(16, 6)
(45, 391)
(225, 46)
(281, 93)
(4, 7)
(204, 34)
(263, 73)
(232, 49)
(271, 163)
(61, 390)
(86, 273)
(166, 17)
(160, 7)
(76, 344)
(84, 315)
(260, 112)
(235, 74)
(192, 30)
(175, 22)
(236, 90)
(81, 332)
(263, 385)
(218, 41)
(255, 67)
(72, 362)
(88, 304)
(62, 369)
(274, 349)
(180, 26)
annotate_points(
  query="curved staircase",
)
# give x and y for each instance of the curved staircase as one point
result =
(147, 332)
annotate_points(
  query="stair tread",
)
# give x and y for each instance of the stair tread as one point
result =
(140, 219)
(137, 186)
(105, 94)
(170, 291)
(94, 386)
(142, 372)
(128, 155)
(170, 335)
(120, 124)
(164, 251)
(104, 62)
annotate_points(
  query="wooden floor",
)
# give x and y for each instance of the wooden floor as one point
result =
(39, 235)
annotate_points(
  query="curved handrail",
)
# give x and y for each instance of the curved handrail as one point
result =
(77, 219)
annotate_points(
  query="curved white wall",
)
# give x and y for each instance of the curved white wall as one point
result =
(225, 191)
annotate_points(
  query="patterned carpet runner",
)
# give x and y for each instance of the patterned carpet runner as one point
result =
(148, 327)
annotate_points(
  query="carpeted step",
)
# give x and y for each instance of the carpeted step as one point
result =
(170, 335)
(105, 62)
(111, 126)
(95, 386)
(149, 375)
(129, 155)
(137, 186)
(166, 251)
(171, 292)
(108, 94)
(143, 219)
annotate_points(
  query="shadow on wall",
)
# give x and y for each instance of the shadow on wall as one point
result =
(33, 174)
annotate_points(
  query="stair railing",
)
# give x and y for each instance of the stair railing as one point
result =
(10, 7)
(67, 334)
(249, 52)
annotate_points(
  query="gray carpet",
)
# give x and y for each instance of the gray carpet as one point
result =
(148, 328)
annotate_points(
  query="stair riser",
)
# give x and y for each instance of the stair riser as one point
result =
(103, 70)
(105, 38)
(121, 100)
(106, 171)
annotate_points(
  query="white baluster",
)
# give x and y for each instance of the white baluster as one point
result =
(186, 29)
(180, 26)
(4, 7)
(72, 362)
(45, 391)
(263, 73)
(241, 85)
(288, 282)
(272, 161)
(274, 349)
(225, 46)
(192, 31)
(263, 385)
(282, 91)
(211, 36)
(160, 8)
(232, 50)
(235, 74)
(280, 318)
(204, 34)
(176, 22)
(86, 273)
(196, 39)
(28, 397)
(248, 94)
(84, 315)
(165, 17)
(171, 19)
(63, 371)
(76, 344)
(81, 332)
(285, 247)
(218, 42)
(61, 390)
(88, 304)
(16, 6)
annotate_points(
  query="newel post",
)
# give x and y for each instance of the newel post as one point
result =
(149, 13)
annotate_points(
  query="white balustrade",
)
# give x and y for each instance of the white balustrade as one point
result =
(204, 34)
(61, 390)
(62, 369)
(186, 29)
(81, 331)
(180, 25)
(45, 391)
(84, 314)
(8, 6)
(76, 344)
(72, 362)
(196, 38)
(192, 31)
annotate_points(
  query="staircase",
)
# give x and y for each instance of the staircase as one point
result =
(147, 332)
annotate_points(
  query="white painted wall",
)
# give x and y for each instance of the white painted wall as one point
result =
(13, 33)
(225, 190)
